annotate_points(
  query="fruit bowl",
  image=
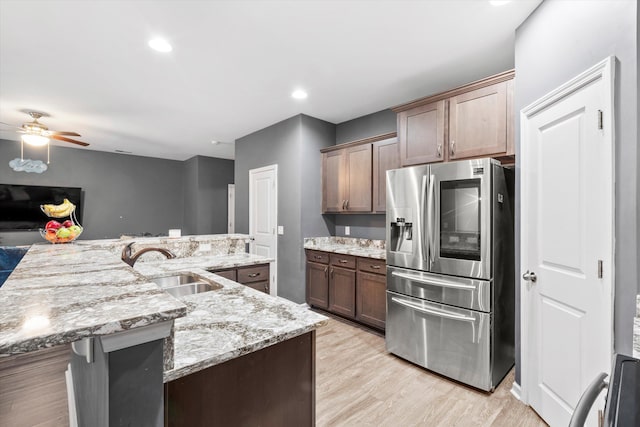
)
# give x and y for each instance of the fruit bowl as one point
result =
(54, 236)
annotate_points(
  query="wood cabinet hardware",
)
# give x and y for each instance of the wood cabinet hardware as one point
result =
(253, 274)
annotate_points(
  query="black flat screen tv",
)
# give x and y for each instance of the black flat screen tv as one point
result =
(20, 205)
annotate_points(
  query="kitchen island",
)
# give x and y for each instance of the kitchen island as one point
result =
(84, 290)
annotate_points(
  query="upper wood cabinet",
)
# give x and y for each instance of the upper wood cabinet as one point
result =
(332, 181)
(474, 120)
(353, 174)
(346, 179)
(421, 131)
(478, 122)
(357, 180)
(385, 157)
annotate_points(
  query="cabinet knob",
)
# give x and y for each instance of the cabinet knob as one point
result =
(325, 271)
(439, 150)
(343, 204)
(318, 257)
(254, 274)
(375, 267)
(343, 261)
(347, 205)
(452, 147)
(331, 273)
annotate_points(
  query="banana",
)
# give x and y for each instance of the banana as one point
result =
(59, 211)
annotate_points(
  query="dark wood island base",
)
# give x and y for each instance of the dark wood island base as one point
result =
(274, 386)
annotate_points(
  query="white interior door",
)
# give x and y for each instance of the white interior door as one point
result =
(567, 243)
(263, 216)
(231, 208)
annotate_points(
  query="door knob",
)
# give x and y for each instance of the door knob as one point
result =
(530, 276)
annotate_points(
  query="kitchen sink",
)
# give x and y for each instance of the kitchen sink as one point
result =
(181, 279)
(185, 284)
(191, 288)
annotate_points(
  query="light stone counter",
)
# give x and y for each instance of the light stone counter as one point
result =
(62, 293)
(59, 294)
(348, 245)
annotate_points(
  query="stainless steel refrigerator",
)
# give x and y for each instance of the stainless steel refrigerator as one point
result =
(450, 269)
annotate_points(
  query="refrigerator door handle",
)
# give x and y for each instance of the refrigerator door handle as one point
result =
(430, 281)
(431, 221)
(434, 311)
(422, 206)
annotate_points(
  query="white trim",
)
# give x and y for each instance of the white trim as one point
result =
(604, 70)
(515, 390)
(273, 267)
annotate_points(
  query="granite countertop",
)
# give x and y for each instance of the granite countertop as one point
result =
(226, 323)
(63, 293)
(348, 245)
(59, 294)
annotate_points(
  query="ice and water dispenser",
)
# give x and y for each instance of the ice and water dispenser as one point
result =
(401, 231)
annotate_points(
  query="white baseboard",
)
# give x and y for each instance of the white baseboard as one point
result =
(515, 390)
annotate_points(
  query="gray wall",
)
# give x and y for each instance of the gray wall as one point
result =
(121, 193)
(206, 181)
(372, 124)
(557, 42)
(124, 194)
(282, 144)
(370, 226)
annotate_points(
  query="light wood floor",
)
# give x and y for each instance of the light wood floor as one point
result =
(359, 384)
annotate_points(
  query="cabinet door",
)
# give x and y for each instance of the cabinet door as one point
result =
(262, 286)
(421, 134)
(318, 285)
(385, 157)
(358, 178)
(333, 169)
(227, 274)
(342, 291)
(371, 304)
(478, 122)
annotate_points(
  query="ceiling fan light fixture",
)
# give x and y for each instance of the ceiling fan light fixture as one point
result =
(35, 140)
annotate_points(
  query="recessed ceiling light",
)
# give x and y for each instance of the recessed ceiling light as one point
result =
(498, 2)
(299, 94)
(160, 45)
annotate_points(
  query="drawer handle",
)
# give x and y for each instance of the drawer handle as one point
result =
(318, 256)
(343, 261)
(434, 311)
(433, 281)
(254, 274)
(375, 267)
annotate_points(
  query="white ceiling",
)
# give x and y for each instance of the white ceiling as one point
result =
(234, 64)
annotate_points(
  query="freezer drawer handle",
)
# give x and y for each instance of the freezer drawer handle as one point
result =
(436, 282)
(435, 312)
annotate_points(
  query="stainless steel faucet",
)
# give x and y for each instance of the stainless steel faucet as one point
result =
(129, 259)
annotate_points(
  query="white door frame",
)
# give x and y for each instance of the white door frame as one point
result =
(604, 70)
(231, 208)
(273, 268)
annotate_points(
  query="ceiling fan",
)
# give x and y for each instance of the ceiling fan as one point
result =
(35, 133)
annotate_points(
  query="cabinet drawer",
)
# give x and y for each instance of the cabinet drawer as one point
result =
(344, 261)
(227, 274)
(262, 286)
(317, 256)
(377, 266)
(253, 274)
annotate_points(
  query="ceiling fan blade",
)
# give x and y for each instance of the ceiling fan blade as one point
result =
(73, 141)
(54, 132)
(10, 125)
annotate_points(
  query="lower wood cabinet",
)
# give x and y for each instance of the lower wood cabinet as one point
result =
(253, 276)
(318, 285)
(352, 287)
(342, 291)
(371, 300)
